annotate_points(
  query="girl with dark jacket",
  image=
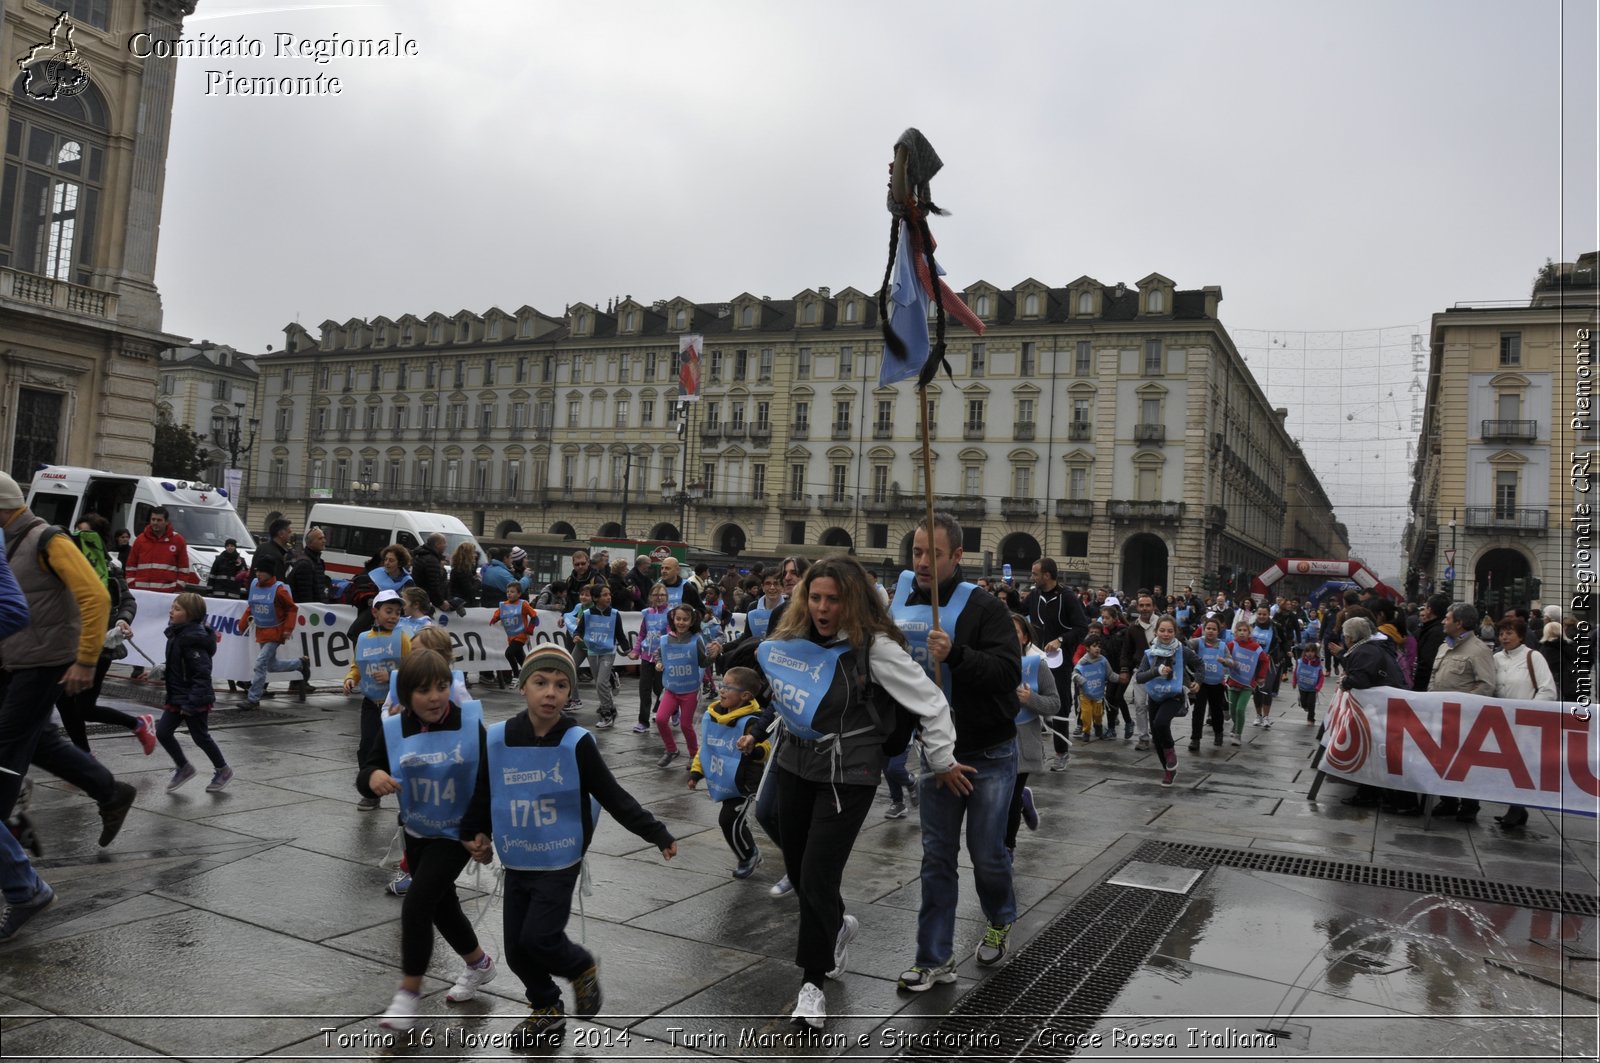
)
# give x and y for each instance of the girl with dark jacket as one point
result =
(190, 647)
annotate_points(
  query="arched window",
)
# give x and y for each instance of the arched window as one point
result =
(850, 311)
(1030, 306)
(983, 306)
(747, 316)
(55, 163)
(1086, 303)
(1158, 302)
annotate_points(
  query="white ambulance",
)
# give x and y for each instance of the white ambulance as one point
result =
(356, 534)
(201, 513)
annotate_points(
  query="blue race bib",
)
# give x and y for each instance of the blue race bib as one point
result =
(800, 673)
(263, 611)
(1211, 670)
(680, 661)
(916, 621)
(1243, 671)
(512, 620)
(1162, 688)
(600, 633)
(720, 757)
(1030, 679)
(535, 802)
(377, 655)
(436, 771)
(757, 620)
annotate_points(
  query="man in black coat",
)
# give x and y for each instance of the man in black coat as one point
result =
(1430, 636)
(427, 570)
(276, 549)
(1059, 624)
(308, 575)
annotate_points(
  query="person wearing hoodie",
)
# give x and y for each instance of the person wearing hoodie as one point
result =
(496, 574)
(190, 647)
(1166, 672)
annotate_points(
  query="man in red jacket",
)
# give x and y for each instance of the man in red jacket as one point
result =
(159, 558)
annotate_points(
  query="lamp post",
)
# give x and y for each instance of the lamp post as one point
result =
(1450, 561)
(692, 492)
(228, 432)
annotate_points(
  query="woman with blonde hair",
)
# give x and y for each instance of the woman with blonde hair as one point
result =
(838, 667)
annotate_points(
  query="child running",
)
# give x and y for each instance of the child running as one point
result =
(519, 619)
(683, 657)
(731, 765)
(1308, 677)
(570, 621)
(1090, 676)
(647, 651)
(1040, 702)
(273, 612)
(1209, 695)
(1247, 664)
(190, 647)
(378, 651)
(537, 791)
(603, 638)
(1166, 673)
(429, 755)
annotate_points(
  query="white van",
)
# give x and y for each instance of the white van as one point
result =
(201, 513)
(356, 533)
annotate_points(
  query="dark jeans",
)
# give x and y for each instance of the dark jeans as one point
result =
(199, 731)
(537, 904)
(649, 691)
(1162, 713)
(1210, 705)
(1117, 705)
(816, 840)
(54, 754)
(81, 708)
(26, 696)
(766, 809)
(431, 902)
(984, 813)
(734, 819)
(1308, 701)
(371, 727)
(897, 775)
(1014, 813)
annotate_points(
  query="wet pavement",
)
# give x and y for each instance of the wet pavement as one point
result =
(253, 923)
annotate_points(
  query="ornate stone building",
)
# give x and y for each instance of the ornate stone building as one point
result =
(80, 208)
(212, 390)
(1114, 428)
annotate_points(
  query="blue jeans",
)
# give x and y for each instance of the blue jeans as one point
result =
(267, 661)
(17, 877)
(985, 811)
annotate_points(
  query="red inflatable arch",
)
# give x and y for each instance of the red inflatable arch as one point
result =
(1294, 566)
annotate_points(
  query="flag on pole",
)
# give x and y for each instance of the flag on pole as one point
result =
(689, 367)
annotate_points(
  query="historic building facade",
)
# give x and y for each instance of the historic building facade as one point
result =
(1507, 434)
(1114, 428)
(212, 390)
(80, 207)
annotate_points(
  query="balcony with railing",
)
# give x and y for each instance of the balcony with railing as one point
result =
(794, 503)
(1216, 517)
(735, 500)
(877, 505)
(1126, 510)
(1150, 433)
(1075, 509)
(1022, 431)
(734, 431)
(1507, 518)
(800, 430)
(841, 429)
(1510, 431)
(1020, 508)
(972, 430)
(963, 505)
(836, 504)
(882, 430)
(712, 430)
(1078, 431)
(57, 295)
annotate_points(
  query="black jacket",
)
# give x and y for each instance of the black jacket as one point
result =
(190, 647)
(427, 572)
(1429, 638)
(1372, 664)
(270, 551)
(594, 777)
(985, 668)
(1055, 615)
(308, 577)
(377, 758)
(464, 584)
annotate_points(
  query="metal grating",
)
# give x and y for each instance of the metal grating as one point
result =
(1072, 972)
(1476, 889)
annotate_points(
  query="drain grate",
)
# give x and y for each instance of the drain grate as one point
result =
(1072, 972)
(1476, 889)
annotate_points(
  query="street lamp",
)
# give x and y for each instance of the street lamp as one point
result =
(1450, 561)
(670, 494)
(227, 431)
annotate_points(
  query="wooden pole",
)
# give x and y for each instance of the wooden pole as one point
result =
(927, 491)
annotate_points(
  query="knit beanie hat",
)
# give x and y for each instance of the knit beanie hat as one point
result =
(549, 657)
(10, 493)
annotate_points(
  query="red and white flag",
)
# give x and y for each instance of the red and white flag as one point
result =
(689, 347)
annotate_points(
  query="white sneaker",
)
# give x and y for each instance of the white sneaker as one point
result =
(1266, 723)
(781, 888)
(402, 1013)
(470, 979)
(811, 1009)
(1257, 721)
(841, 946)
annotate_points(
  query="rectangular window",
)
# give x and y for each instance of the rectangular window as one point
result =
(802, 364)
(424, 475)
(280, 476)
(1154, 364)
(847, 363)
(766, 366)
(649, 365)
(972, 481)
(980, 359)
(647, 412)
(877, 536)
(880, 483)
(624, 366)
(1150, 411)
(1505, 496)
(672, 411)
(399, 417)
(325, 378)
(432, 378)
(1510, 348)
(736, 414)
(461, 372)
(1508, 406)
(885, 417)
(430, 417)
(519, 415)
(1147, 484)
(713, 414)
(758, 481)
(837, 482)
(369, 418)
(219, 391)
(401, 375)
(622, 413)
(569, 471)
(318, 475)
(708, 477)
(797, 481)
(285, 417)
(488, 372)
(513, 477)
(763, 414)
(741, 364)
(1078, 484)
(391, 476)
(1025, 366)
(1081, 365)
(1075, 543)
(841, 415)
(522, 369)
(376, 378)
(796, 532)
(975, 414)
(349, 378)
(1025, 411)
(36, 439)
(486, 417)
(288, 378)
(548, 370)
(802, 415)
(1021, 481)
(574, 412)
(715, 374)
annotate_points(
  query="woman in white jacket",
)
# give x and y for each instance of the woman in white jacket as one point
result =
(1520, 675)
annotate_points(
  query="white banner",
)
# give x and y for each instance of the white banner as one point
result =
(1541, 754)
(479, 641)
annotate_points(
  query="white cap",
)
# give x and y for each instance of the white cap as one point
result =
(1111, 602)
(385, 596)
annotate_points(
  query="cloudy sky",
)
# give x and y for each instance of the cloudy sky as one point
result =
(1342, 171)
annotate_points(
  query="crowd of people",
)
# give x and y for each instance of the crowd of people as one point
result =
(954, 690)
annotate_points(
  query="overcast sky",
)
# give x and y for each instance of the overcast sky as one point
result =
(1342, 171)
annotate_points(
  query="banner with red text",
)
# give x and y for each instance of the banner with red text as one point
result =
(1541, 754)
(480, 642)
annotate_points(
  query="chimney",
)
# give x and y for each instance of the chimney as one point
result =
(825, 292)
(1213, 296)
